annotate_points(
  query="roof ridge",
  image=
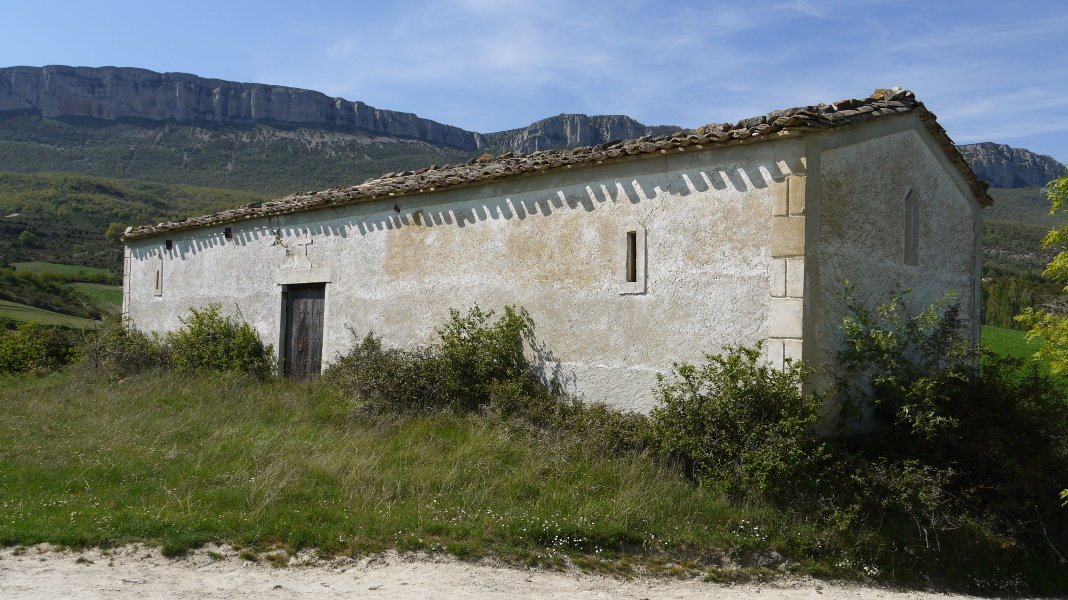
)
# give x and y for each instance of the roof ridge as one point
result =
(487, 167)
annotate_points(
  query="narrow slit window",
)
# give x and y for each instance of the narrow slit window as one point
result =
(632, 256)
(158, 289)
(912, 230)
(631, 266)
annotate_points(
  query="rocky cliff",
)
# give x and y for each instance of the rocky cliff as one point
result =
(1006, 167)
(564, 131)
(115, 93)
(138, 95)
(120, 93)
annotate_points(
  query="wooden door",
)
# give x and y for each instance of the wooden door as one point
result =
(304, 330)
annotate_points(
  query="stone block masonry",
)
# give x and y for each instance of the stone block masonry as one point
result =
(787, 272)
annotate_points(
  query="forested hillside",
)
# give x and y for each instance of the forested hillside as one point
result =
(63, 217)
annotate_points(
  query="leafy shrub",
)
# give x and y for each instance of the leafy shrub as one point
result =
(740, 423)
(388, 379)
(34, 347)
(601, 426)
(915, 363)
(476, 357)
(478, 366)
(116, 351)
(966, 449)
(208, 341)
(479, 355)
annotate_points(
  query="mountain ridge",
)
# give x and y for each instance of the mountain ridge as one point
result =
(124, 93)
(1004, 166)
(183, 128)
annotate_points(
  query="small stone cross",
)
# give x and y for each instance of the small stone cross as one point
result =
(301, 260)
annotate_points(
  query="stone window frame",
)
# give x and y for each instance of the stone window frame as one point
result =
(632, 228)
(911, 229)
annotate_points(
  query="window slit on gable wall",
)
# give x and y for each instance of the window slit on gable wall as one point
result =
(912, 229)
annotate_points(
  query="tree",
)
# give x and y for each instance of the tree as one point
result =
(113, 235)
(1051, 327)
(28, 239)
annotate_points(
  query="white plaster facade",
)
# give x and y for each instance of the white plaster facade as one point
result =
(738, 244)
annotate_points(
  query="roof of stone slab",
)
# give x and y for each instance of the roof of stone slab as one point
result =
(486, 168)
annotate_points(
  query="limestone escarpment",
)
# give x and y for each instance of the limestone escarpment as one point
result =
(114, 93)
(1003, 166)
(569, 131)
(117, 93)
(122, 94)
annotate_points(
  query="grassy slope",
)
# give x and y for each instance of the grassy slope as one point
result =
(72, 272)
(45, 291)
(12, 311)
(178, 461)
(1014, 228)
(107, 297)
(1027, 206)
(1009, 341)
(181, 461)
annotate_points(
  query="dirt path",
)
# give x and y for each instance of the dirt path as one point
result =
(134, 572)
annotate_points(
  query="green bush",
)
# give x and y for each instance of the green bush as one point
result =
(608, 429)
(740, 423)
(479, 355)
(915, 363)
(208, 341)
(388, 379)
(478, 366)
(968, 447)
(116, 351)
(34, 347)
(475, 358)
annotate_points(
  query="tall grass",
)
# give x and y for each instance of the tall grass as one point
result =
(182, 461)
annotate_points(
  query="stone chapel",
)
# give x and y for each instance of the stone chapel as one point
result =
(629, 256)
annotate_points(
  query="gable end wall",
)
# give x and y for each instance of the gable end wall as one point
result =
(857, 229)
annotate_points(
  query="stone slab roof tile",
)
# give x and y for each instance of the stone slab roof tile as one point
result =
(791, 121)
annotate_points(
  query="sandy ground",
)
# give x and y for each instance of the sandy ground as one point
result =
(136, 572)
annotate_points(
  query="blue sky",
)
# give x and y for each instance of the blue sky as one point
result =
(993, 71)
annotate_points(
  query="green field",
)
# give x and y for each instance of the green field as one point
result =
(1009, 341)
(21, 312)
(65, 271)
(107, 297)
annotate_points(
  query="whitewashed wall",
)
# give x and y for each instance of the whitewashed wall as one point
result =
(549, 243)
(858, 234)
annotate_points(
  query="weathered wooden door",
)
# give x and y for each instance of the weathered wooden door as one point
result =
(304, 330)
